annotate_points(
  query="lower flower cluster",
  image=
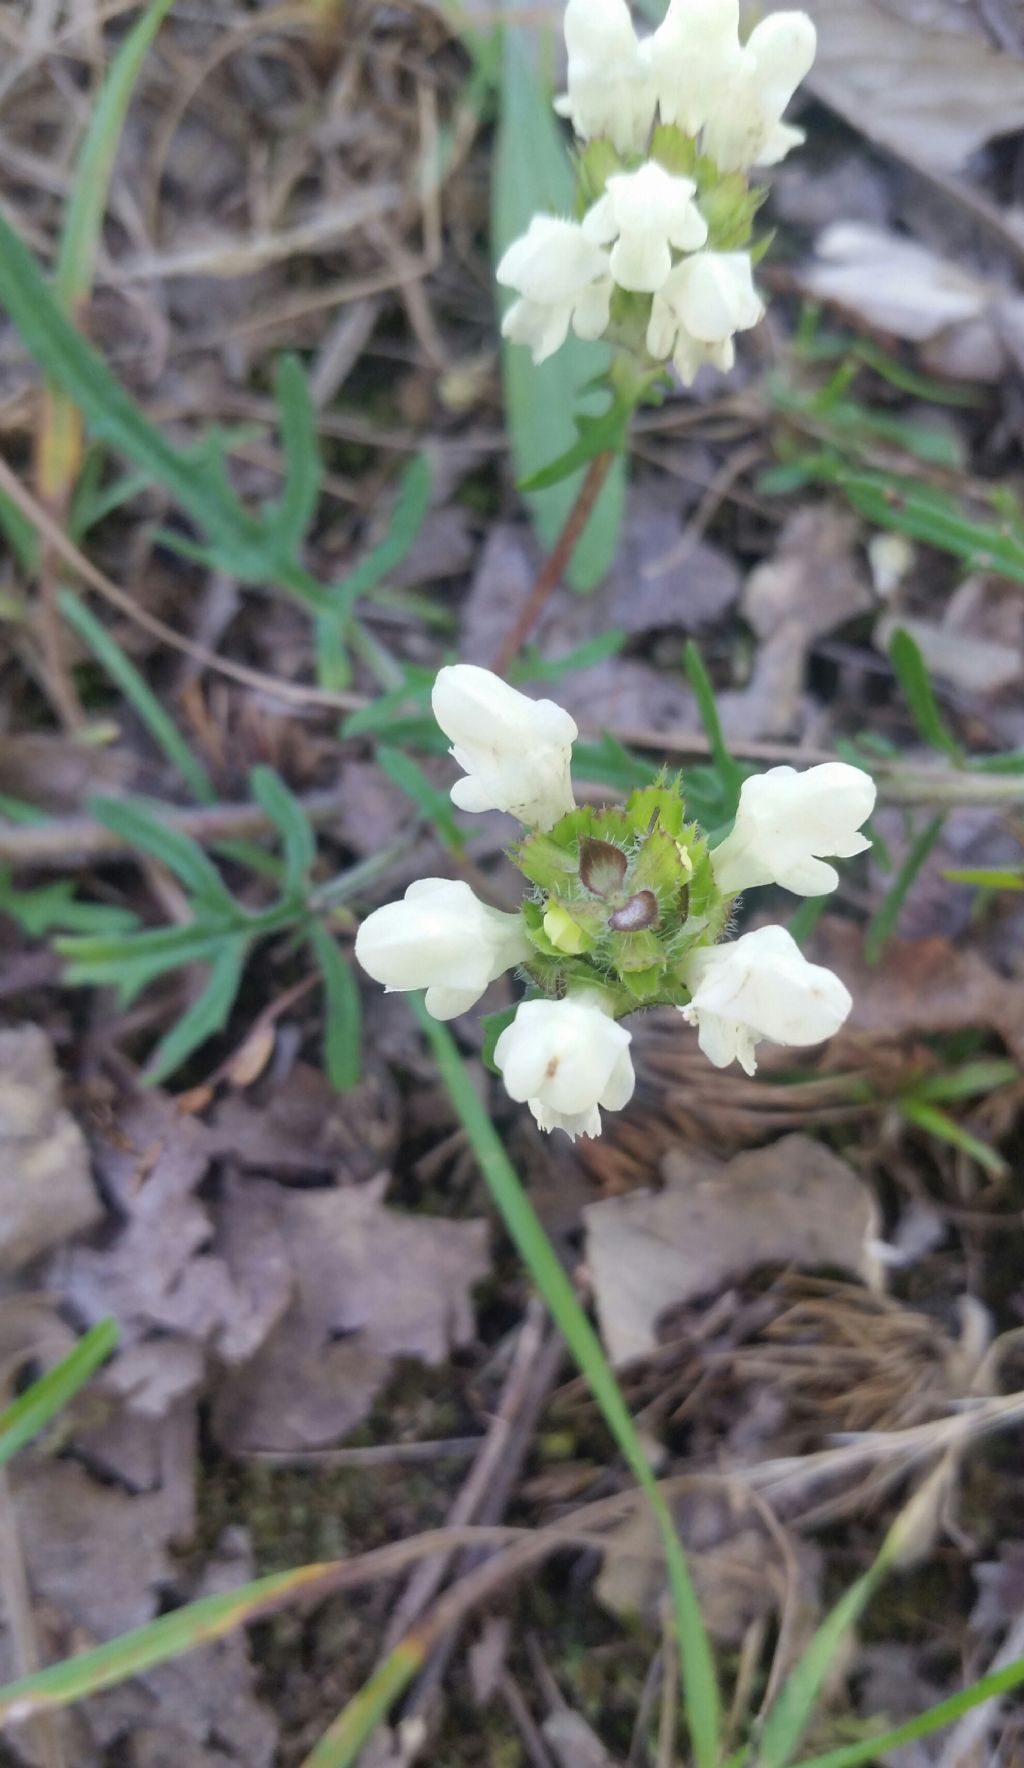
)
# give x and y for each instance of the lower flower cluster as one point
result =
(628, 907)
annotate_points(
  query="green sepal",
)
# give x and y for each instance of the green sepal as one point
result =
(637, 952)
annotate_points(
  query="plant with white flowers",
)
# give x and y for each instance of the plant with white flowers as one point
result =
(658, 256)
(628, 907)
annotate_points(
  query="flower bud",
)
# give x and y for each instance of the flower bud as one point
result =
(515, 751)
(786, 820)
(443, 939)
(610, 88)
(565, 1059)
(646, 213)
(760, 986)
(745, 126)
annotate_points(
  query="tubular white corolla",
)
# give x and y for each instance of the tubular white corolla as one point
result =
(566, 1059)
(745, 128)
(444, 939)
(646, 213)
(562, 279)
(611, 92)
(693, 56)
(760, 986)
(786, 820)
(515, 751)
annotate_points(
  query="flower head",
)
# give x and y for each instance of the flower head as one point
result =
(514, 751)
(565, 1059)
(562, 279)
(610, 88)
(441, 938)
(761, 986)
(786, 820)
(745, 126)
(646, 213)
(693, 56)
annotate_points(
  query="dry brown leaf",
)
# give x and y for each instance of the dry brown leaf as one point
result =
(573, 1743)
(931, 93)
(46, 1191)
(792, 1203)
(923, 986)
(371, 1285)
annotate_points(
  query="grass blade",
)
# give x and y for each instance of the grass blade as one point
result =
(793, 1710)
(369, 1708)
(139, 694)
(883, 921)
(32, 1412)
(291, 822)
(875, 1749)
(133, 1653)
(290, 517)
(207, 1015)
(342, 1011)
(143, 829)
(909, 665)
(699, 1680)
(531, 174)
(730, 772)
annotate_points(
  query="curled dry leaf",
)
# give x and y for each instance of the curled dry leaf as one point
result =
(46, 1191)
(927, 90)
(370, 1285)
(792, 1203)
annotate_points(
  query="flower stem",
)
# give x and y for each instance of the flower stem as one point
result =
(551, 572)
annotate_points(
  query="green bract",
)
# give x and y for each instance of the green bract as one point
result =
(621, 896)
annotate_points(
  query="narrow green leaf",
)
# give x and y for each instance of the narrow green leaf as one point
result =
(877, 1748)
(207, 1015)
(141, 826)
(531, 176)
(936, 1122)
(982, 1076)
(435, 805)
(792, 1711)
(988, 877)
(291, 516)
(531, 666)
(89, 1672)
(292, 823)
(729, 770)
(699, 1680)
(883, 922)
(48, 906)
(610, 763)
(139, 694)
(913, 677)
(342, 1744)
(83, 216)
(342, 1011)
(407, 517)
(137, 959)
(33, 1410)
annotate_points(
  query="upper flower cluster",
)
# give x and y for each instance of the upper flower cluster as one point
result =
(628, 908)
(671, 125)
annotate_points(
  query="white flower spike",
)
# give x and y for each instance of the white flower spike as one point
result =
(611, 92)
(761, 986)
(562, 279)
(515, 751)
(646, 213)
(694, 56)
(787, 820)
(443, 939)
(566, 1059)
(745, 127)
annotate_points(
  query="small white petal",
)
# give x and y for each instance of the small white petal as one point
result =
(610, 88)
(787, 821)
(442, 938)
(593, 309)
(714, 295)
(761, 986)
(566, 1059)
(647, 212)
(694, 55)
(515, 751)
(743, 127)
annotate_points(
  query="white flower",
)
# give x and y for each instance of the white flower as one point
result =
(689, 356)
(787, 820)
(562, 278)
(694, 55)
(760, 986)
(565, 1059)
(707, 298)
(646, 213)
(745, 126)
(610, 88)
(443, 939)
(514, 751)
